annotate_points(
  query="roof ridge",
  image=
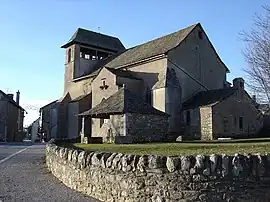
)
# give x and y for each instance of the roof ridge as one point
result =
(166, 35)
(154, 47)
(84, 29)
(11, 100)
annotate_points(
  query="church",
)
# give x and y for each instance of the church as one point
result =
(171, 86)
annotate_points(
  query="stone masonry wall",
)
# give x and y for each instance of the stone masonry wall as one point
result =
(121, 177)
(206, 123)
(147, 127)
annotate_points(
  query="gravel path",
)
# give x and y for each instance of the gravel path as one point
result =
(24, 177)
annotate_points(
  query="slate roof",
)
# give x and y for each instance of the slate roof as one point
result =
(90, 38)
(152, 48)
(205, 98)
(122, 73)
(11, 100)
(123, 101)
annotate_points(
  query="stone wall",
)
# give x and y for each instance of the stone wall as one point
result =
(119, 177)
(206, 123)
(147, 127)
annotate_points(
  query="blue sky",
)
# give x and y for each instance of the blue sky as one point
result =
(32, 32)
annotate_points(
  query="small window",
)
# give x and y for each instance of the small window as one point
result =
(200, 34)
(188, 118)
(103, 83)
(69, 55)
(241, 122)
(87, 56)
(94, 57)
(101, 122)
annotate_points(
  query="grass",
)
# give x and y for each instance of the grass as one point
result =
(241, 146)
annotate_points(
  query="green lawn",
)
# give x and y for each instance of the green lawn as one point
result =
(246, 146)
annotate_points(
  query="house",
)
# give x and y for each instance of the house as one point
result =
(48, 120)
(221, 113)
(166, 73)
(35, 130)
(11, 118)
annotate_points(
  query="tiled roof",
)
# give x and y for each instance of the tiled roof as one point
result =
(204, 98)
(90, 38)
(123, 101)
(152, 48)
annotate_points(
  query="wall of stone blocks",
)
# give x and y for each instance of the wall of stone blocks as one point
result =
(230, 110)
(147, 127)
(206, 123)
(150, 178)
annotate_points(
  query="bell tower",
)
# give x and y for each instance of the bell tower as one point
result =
(71, 62)
(84, 50)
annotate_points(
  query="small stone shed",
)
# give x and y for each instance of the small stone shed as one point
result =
(126, 118)
(227, 113)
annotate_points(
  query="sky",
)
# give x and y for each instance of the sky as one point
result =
(31, 33)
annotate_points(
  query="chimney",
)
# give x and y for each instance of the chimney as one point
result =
(238, 83)
(18, 97)
(10, 96)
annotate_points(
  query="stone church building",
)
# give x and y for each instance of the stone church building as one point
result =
(171, 86)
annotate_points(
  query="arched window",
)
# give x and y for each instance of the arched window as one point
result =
(69, 55)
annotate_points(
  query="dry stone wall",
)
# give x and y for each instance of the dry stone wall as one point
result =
(125, 177)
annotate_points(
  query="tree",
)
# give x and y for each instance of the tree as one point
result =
(257, 55)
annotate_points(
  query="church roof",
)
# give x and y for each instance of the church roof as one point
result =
(90, 38)
(123, 101)
(208, 97)
(152, 48)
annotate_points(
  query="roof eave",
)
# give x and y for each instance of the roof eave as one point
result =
(68, 44)
(155, 57)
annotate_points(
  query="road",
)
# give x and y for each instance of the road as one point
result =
(24, 177)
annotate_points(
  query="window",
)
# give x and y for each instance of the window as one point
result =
(87, 56)
(69, 55)
(103, 83)
(241, 122)
(101, 122)
(200, 34)
(188, 118)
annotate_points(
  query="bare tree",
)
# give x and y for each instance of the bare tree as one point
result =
(257, 55)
